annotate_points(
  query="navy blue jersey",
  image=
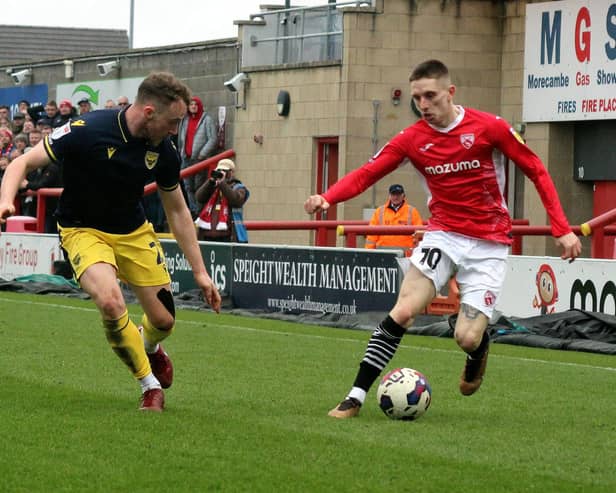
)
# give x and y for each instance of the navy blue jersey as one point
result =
(104, 170)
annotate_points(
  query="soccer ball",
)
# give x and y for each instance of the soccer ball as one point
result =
(404, 394)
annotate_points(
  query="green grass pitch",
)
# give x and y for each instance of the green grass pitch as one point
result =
(248, 412)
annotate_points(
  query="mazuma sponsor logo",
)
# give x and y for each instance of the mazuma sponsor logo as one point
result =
(441, 169)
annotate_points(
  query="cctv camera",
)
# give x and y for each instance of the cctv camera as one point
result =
(20, 76)
(106, 68)
(234, 84)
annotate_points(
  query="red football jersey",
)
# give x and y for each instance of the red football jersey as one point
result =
(462, 168)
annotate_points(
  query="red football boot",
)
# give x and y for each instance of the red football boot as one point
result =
(162, 368)
(153, 400)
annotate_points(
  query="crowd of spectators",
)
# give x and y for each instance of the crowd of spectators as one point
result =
(29, 124)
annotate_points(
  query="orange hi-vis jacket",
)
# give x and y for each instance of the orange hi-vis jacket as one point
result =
(406, 215)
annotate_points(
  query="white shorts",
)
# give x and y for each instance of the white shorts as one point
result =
(479, 266)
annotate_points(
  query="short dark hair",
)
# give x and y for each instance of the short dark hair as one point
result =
(21, 138)
(162, 87)
(430, 69)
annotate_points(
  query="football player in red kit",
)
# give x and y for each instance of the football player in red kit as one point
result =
(459, 154)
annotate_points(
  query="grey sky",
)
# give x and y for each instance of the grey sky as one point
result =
(155, 23)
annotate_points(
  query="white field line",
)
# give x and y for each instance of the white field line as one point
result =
(339, 339)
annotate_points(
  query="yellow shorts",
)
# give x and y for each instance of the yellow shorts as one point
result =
(137, 256)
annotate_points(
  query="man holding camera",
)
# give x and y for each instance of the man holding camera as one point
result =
(221, 218)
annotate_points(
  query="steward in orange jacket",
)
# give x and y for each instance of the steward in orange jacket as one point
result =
(396, 212)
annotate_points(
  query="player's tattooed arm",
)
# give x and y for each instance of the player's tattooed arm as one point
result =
(469, 312)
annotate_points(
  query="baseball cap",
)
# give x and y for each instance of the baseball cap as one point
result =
(44, 122)
(83, 100)
(225, 165)
(396, 188)
(19, 115)
(66, 102)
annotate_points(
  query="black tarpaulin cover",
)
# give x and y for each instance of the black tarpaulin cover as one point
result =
(575, 330)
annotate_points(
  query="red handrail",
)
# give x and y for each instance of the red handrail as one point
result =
(286, 225)
(321, 227)
(596, 222)
(194, 169)
(351, 232)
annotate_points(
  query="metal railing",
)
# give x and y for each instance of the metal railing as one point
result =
(296, 35)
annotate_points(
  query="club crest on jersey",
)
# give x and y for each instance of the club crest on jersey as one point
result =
(489, 298)
(110, 152)
(151, 158)
(467, 140)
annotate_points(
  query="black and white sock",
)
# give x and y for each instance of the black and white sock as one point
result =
(380, 350)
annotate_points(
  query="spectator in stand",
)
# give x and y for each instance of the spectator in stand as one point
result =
(67, 111)
(196, 142)
(122, 102)
(18, 123)
(224, 196)
(45, 126)
(5, 111)
(52, 113)
(5, 122)
(28, 126)
(49, 110)
(44, 122)
(395, 212)
(15, 153)
(6, 142)
(84, 106)
(109, 104)
(20, 141)
(34, 138)
(23, 106)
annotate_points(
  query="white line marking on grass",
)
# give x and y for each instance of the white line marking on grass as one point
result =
(51, 305)
(340, 339)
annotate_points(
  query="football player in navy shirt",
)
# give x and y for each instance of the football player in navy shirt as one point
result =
(106, 158)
